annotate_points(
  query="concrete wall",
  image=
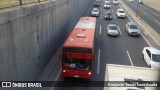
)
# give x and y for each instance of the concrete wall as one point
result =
(30, 35)
(153, 3)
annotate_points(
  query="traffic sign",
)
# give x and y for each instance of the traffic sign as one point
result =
(141, 13)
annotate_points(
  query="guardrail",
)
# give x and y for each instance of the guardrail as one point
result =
(13, 3)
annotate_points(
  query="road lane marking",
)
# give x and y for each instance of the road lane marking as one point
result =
(129, 58)
(114, 17)
(157, 21)
(59, 72)
(120, 31)
(145, 13)
(100, 29)
(112, 10)
(101, 16)
(156, 14)
(101, 9)
(98, 66)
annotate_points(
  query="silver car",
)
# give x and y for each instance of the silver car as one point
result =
(112, 29)
(95, 12)
(132, 29)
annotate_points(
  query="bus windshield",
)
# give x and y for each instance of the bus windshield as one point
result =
(77, 64)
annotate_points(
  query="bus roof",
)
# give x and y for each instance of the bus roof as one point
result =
(83, 33)
(81, 38)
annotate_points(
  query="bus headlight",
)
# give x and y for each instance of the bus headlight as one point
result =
(89, 73)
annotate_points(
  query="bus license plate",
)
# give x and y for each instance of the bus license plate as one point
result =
(76, 76)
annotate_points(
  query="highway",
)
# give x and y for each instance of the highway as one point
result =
(151, 16)
(123, 50)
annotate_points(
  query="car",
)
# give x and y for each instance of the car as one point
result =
(132, 29)
(132, 1)
(152, 57)
(140, 1)
(107, 6)
(96, 4)
(95, 12)
(112, 29)
(107, 1)
(108, 15)
(120, 13)
(98, 0)
(115, 2)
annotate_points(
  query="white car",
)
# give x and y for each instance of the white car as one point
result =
(120, 13)
(132, 1)
(140, 1)
(95, 12)
(115, 2)
(112, 29)
(107, 5)
(107, 1)
(152, 57)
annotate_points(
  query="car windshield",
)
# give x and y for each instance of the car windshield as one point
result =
(133, 27)
(108, 13)
(156, 57)
(121, 11)
(106, 3)
(113, 28)
(95, 10)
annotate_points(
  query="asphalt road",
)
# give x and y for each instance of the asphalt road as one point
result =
(123, 50)
(151, 16)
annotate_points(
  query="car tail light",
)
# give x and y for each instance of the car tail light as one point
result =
(89, 73)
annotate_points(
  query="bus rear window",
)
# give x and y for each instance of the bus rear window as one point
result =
(77, 50)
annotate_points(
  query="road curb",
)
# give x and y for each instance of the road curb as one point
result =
(148, 30)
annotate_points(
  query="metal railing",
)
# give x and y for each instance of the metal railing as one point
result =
(12, 3)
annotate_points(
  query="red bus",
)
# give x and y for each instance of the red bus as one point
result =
(78, 51)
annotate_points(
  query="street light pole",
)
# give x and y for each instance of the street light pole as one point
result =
(137, 9)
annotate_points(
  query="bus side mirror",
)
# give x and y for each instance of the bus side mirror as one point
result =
(60, 57)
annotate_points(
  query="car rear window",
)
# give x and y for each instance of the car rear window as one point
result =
(121, 11)
(113, 27)
(108, 13)
(133, 26)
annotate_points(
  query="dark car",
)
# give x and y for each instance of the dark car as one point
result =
(108, 15)
(96, 4)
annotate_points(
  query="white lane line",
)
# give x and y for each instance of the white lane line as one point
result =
(56, 79)
(156, 14)
(129, 58)
(145, 13)
(101, 9)
(157, 21)
(101, 16)
(98, 66)
(100, 29)
(120, 31)
(112, 10)
(114, 17)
